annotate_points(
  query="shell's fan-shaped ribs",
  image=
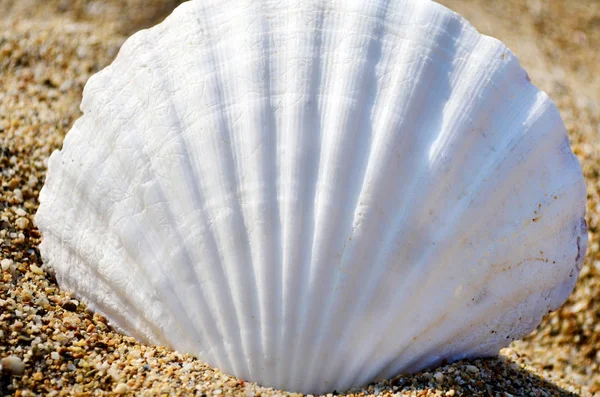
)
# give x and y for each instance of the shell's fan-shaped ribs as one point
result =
(313, 194)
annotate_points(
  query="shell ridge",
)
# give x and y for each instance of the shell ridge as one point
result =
(462, 329)
(221, 92)
(423, 125)
(84, 199)
(308, 273)
(68, 143)
(211, 244)
(236, 327)
(180, 311)
(463, 68)
(255, 143)
(409, 282)
(482, 310)
(123, 238)
(422, 289)
(65, 244)
(272, 269)
(119, 313)
(362, 155)
(190, 255)
(344, 117)
(512, 333)
(309, 182)
(287, 216)
(148, 160)
(361, 231)
(195, 191)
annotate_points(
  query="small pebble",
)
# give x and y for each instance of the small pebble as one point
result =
(13, 365)
(36, 269)
(22, 223)
(5, 264)
(70, 306)
(121, 388)
(18, 195)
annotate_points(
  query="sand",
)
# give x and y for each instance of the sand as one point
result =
(51, 345)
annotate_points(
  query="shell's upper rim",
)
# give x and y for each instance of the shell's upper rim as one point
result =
(178, 13)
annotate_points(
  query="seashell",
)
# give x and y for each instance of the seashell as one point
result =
(315, 194)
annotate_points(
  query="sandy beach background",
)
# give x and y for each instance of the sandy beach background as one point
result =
(50, 345)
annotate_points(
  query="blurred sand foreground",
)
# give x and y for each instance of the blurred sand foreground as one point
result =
(49, 344)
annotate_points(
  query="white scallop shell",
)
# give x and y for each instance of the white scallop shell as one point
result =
(313, 194)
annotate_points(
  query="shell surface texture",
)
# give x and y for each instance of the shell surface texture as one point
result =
(315, 194)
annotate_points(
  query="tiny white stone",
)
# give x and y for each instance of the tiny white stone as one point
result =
(114, 373)
(18, 194)
(33, 180)
(36, 269)
(22, 223)
(13, 365)
(6, 264)
(121, 388)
